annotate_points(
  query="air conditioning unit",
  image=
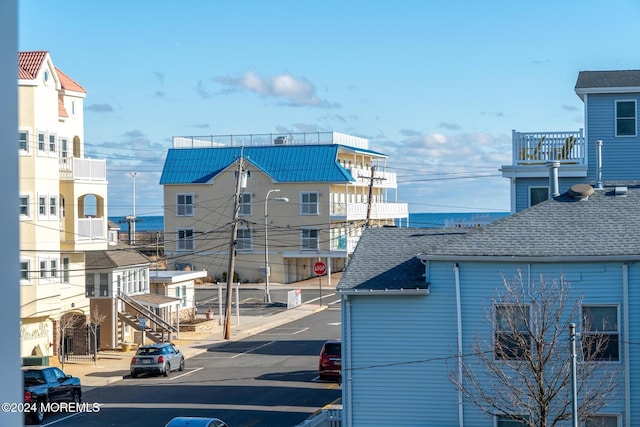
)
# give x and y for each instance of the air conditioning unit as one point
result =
(281, 140)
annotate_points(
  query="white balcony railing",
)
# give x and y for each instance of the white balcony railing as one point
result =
(255, 140)
(382, 179)
(72, 168)
(530, 148)
(358, 211)
(90, 228)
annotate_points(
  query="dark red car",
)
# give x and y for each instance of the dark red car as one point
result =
(330, 364)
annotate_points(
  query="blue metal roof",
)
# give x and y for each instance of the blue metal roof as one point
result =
(289, 163)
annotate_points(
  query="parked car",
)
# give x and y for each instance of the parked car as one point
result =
(195, 422)
(330, 363)
(156, 359)
(44, 384)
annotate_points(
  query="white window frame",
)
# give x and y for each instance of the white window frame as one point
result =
(43, 269)
(66, 269)
(184, 207)
(52, 144)
(42, 142)
(245, 204)
(307, 207)
(185, 239)
(25, 208)
(42, 206)
(27, 148)
(53, 207)
(90, 285)
(597, 422)
(536, 187)
(611, 332)
(64, 147)
(506, 422)
(305, 240)
(25, 271)
(498, 332)
(244, 242)
(103, 285)
(634, 118)
(54, 270)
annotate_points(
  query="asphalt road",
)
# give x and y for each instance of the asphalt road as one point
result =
(269, 379)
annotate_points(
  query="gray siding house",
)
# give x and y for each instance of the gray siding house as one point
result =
(611, 101)
(415, 299)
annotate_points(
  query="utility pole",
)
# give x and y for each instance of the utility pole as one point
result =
(232, 250)
(371, 179)
(574, 386)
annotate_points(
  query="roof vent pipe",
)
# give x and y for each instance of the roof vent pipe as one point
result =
(599, 164)
(554, 188)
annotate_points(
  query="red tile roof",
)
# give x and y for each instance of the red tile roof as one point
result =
(68, 83)
(29, 63)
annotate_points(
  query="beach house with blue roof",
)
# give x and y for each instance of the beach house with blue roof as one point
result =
(307, 198)
(605, 149)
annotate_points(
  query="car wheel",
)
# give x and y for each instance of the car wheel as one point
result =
(134, 375)
(75, 397)
(37, 416)
(181, 367)
(167, 369)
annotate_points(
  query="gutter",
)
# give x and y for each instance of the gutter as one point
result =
(627, 325)
(531, 259)
(401, 291)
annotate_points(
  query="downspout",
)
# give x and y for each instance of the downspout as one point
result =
(346, 349)
(627, 375)
(456, 272)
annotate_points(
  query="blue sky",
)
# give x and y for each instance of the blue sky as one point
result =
(438, 86)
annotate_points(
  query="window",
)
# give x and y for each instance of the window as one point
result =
(244, 241)
(104, 284)
(508, 422)
(24, 206)
(24, 270)
(537, 195)
(626, 118)
(52, 143)
(310, 238)
(23, 141)
(42, 206)
(64, 147)
(184, 204)
(309, 204)
(600, 337)
(184, 295)
(185, 239)
(90, 286)
(65, 270)
(244, 204)
(512, 339)
(43, 269)
(53, 267)
(41, 146)
(602, 421)
(53, 206)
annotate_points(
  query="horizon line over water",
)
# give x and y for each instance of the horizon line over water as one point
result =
(416, 220)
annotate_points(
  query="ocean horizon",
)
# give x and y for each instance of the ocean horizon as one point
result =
(416, 220)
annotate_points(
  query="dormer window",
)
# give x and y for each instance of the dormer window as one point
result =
(45, 76)
(626, 118)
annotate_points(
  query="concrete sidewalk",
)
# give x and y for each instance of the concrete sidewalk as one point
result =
(113, 365)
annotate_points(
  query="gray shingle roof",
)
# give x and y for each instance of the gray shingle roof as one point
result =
(386, 258)
(608, 79)
(603, 226)
(114, 259)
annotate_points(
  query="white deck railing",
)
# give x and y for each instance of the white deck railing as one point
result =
(72, 168)
(254, 140)
(358, 211)
(324, 418)
(90, 228)
(539, 147)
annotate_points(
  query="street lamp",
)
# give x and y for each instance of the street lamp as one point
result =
(267, 296)
(132, 224)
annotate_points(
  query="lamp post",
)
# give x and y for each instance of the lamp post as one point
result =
(132, 224)
(267, 296)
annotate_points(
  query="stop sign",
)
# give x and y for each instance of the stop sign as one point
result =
(319, 268)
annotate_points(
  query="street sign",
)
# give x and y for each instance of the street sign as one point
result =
(319, 268)
(142, 321)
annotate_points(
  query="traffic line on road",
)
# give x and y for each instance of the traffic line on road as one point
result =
(185, 374)
(301, 330)
(253, 349)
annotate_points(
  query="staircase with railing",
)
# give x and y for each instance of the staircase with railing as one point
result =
(161, 331)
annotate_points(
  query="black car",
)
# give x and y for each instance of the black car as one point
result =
(45, 385)
(157, 359)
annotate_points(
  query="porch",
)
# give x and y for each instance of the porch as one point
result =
(535, 148)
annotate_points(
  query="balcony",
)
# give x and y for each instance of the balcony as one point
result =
(534, 148)
(90, 229)
(358, 211)
(75, 168)
(383, 179)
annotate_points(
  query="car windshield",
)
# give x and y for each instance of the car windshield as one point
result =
(33, 377)
(148, 351)
(332, 349)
